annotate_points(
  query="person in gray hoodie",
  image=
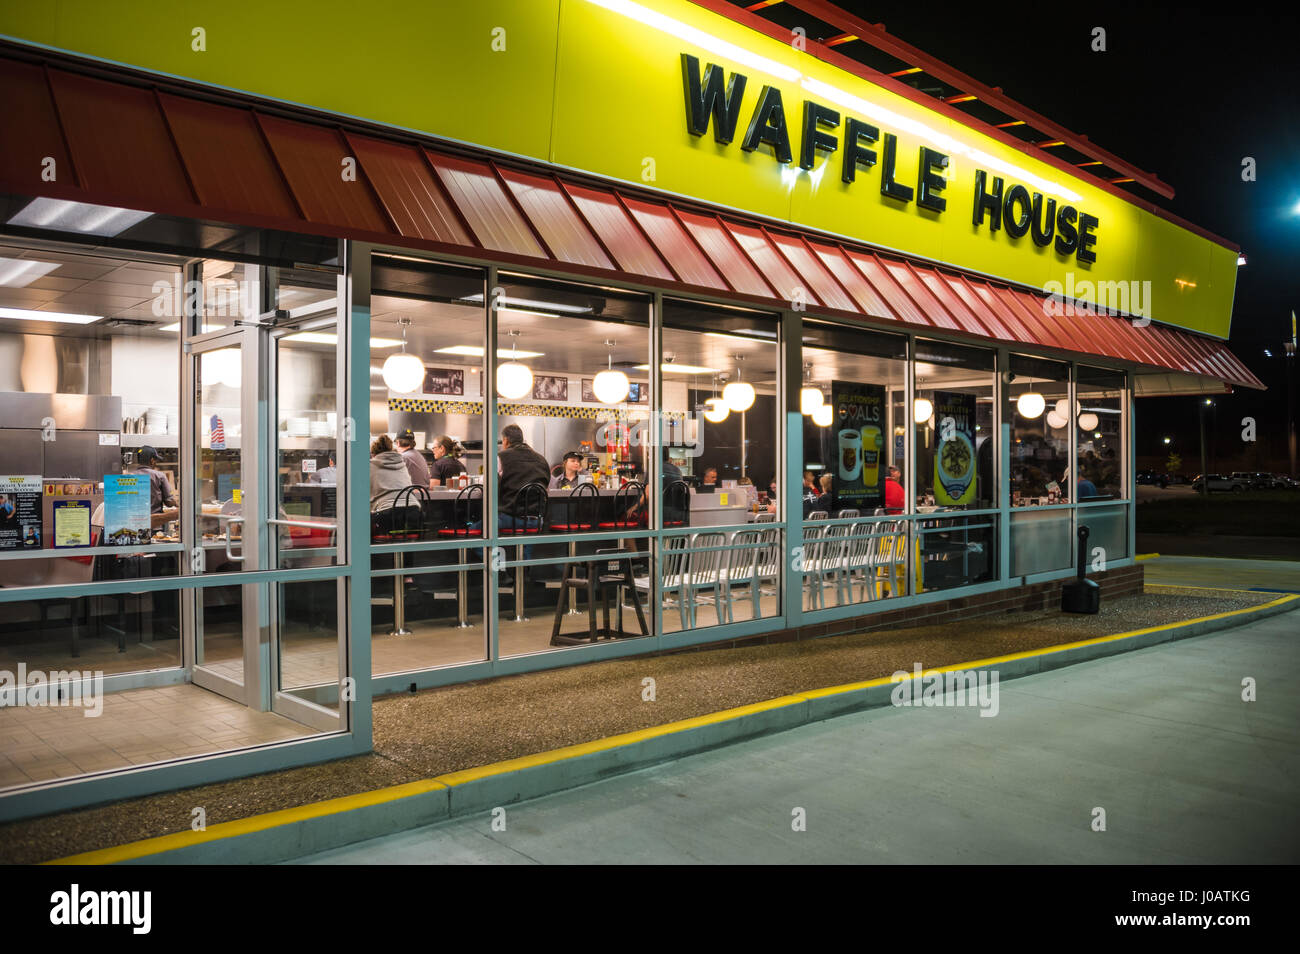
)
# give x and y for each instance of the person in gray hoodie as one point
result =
(387, 472)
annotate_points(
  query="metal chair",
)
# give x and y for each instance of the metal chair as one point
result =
(765, 518)
(466, 509)
(625, 498)
(751, 567)
(704, 571)
(526, 515)
(677, 504)
(672, 576)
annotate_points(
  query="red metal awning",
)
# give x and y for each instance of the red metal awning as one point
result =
(128, 141)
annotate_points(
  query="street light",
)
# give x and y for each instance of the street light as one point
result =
(1167, 440)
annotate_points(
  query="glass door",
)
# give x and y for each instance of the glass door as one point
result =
(306, 500)
(268, 435)
(222, 539)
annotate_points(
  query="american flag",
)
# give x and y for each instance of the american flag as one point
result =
(218, 430)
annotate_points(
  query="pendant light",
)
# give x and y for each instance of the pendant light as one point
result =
(403, 372)
(1087, 421)
(1031, 405)
(514, 380)
(810, 398)
(823, 416)
(610, 386)
(1056, 421)
(717, 409)
(922, 410)
(739, 394)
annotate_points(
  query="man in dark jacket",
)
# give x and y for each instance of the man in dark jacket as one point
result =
(518, 464)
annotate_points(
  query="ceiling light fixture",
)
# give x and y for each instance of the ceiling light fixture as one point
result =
(64, 216)
(823, 416)
(922, 410)
(679, 368)
(403, 372)
(610, 386)
(810, 398)
(514, 380)
(1031, 405)
(21, 272)
(1087, 421)
(739, 394)
(22, 314)
(474, 351)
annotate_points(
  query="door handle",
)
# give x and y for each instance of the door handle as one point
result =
(230, 522)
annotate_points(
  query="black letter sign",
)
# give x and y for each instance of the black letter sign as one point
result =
(854, 130)
(887, 184)
(990, 202)
(768, 126)
(814, 138)
(1086, 239)
(705, 98)
(928, 183)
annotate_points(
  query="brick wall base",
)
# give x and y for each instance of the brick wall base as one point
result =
(1121, 581)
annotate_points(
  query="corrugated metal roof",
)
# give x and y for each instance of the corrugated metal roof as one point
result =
(551, 212)
(131, 145)
(483, 202)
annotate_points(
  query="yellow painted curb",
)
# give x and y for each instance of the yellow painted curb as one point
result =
(162, 843)
(613, 742)
(243, 826)
(1146, 556)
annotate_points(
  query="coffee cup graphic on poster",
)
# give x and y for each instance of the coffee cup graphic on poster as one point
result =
(850, 454)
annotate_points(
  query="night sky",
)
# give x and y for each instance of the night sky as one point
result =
(1186, 97)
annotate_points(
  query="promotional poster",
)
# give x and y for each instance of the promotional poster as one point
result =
(72, 523)
(853, 446)
(20, 512)
(954, 459)
(126, 509)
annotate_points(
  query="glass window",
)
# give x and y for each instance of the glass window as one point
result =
(426, 445)
(852, 396)
(573, 416)
(89, 432)
(720, 382)
(1099, 434)
(1038, 409)
(955, 465)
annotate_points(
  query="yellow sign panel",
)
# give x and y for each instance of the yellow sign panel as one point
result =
(600, 85)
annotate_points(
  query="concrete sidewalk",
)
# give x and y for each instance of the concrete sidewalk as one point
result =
(1262, 575)
(1186, 772)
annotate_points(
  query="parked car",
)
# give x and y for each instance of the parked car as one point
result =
(1153, 478)
(1253, 480)
(1285, 482)
(1217, 482)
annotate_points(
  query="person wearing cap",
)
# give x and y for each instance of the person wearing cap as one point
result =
(416, 466)
(445, 465)
(571, 475)
(162, 500)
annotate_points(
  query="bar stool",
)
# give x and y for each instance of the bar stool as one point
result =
(462, 515)
(582, 513)
(527, 514)
(627, 496)
(677, 504)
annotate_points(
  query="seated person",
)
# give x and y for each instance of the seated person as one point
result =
(446, 464)
(1085, 488)
(570, 474)
(387, 473)
(825, 500)
(710, 478)
(894, 490)
(416, 466)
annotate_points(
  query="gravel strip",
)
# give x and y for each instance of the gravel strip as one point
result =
(464, 726)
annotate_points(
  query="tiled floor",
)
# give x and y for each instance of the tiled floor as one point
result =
(136, 727)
